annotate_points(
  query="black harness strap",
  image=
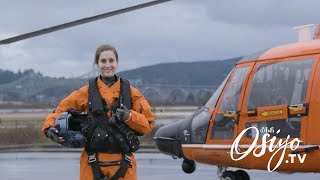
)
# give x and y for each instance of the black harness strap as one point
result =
(129, 135)
(98, 107)
(125, 164)
(94, 100)
(96, 171)
(94, 105)
(125, 94)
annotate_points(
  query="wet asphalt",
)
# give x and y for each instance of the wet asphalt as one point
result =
(65, 166)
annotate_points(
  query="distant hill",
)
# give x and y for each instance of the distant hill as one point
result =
(9, 76)
(182, 73)
(30, 86)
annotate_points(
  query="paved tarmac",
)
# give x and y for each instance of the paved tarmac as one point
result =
(65, 166)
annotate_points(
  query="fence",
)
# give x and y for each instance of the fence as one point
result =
(14, 132)
(20, 132)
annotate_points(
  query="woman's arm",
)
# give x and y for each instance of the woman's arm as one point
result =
(76, 100)
(141, 119)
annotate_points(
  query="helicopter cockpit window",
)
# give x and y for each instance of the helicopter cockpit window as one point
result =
(199, 127)
(280, 83)
(214, 98)
(223, 126)
(231, 97)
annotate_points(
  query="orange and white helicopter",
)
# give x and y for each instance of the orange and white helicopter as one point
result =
(265, 115)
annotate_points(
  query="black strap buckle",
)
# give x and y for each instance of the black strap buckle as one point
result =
(92, 158)
(107, 108)
(127, 157)
(85, 129)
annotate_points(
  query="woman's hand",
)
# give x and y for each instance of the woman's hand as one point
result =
(52, 133)
(123, 113)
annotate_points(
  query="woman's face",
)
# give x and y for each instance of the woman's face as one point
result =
(107, 64)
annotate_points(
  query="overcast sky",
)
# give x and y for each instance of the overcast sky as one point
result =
(181, 30)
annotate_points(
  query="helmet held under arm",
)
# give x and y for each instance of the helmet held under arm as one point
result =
(68, 125)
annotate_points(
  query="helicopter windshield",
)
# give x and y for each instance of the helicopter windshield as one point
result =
(201, 121)
(223, 126)
(280, 83)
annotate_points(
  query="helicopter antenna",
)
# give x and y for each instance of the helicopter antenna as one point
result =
(79, 22)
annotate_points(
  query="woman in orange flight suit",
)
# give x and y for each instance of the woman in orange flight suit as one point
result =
(139, 118)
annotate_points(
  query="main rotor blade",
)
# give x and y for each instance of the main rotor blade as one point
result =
(79, 22)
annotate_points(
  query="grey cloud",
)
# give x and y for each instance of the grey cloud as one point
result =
(181, 30)
(263, 12)
(25, 16)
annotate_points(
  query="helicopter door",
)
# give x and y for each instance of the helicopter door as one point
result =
(277, 101)
(225, 116)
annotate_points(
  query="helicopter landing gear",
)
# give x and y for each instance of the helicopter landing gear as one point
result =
(241, 174)
(232, 175)
(188, 166)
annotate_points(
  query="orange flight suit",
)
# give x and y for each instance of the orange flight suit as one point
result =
(141, 120)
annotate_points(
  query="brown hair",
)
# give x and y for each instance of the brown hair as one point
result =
(102, 48)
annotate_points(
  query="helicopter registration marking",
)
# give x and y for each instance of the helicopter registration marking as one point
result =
(271, 113)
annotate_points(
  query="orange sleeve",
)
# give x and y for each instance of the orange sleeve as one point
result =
(141, 119)
(77, 100)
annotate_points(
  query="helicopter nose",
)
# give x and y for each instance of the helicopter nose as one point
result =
(168, 139)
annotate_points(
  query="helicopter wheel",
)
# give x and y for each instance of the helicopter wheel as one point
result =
(229, 175)
(242, 175)
(188, 166)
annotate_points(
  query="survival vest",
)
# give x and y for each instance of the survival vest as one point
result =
(106, 134)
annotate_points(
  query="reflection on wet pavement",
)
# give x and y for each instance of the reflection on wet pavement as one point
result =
(53, 166)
